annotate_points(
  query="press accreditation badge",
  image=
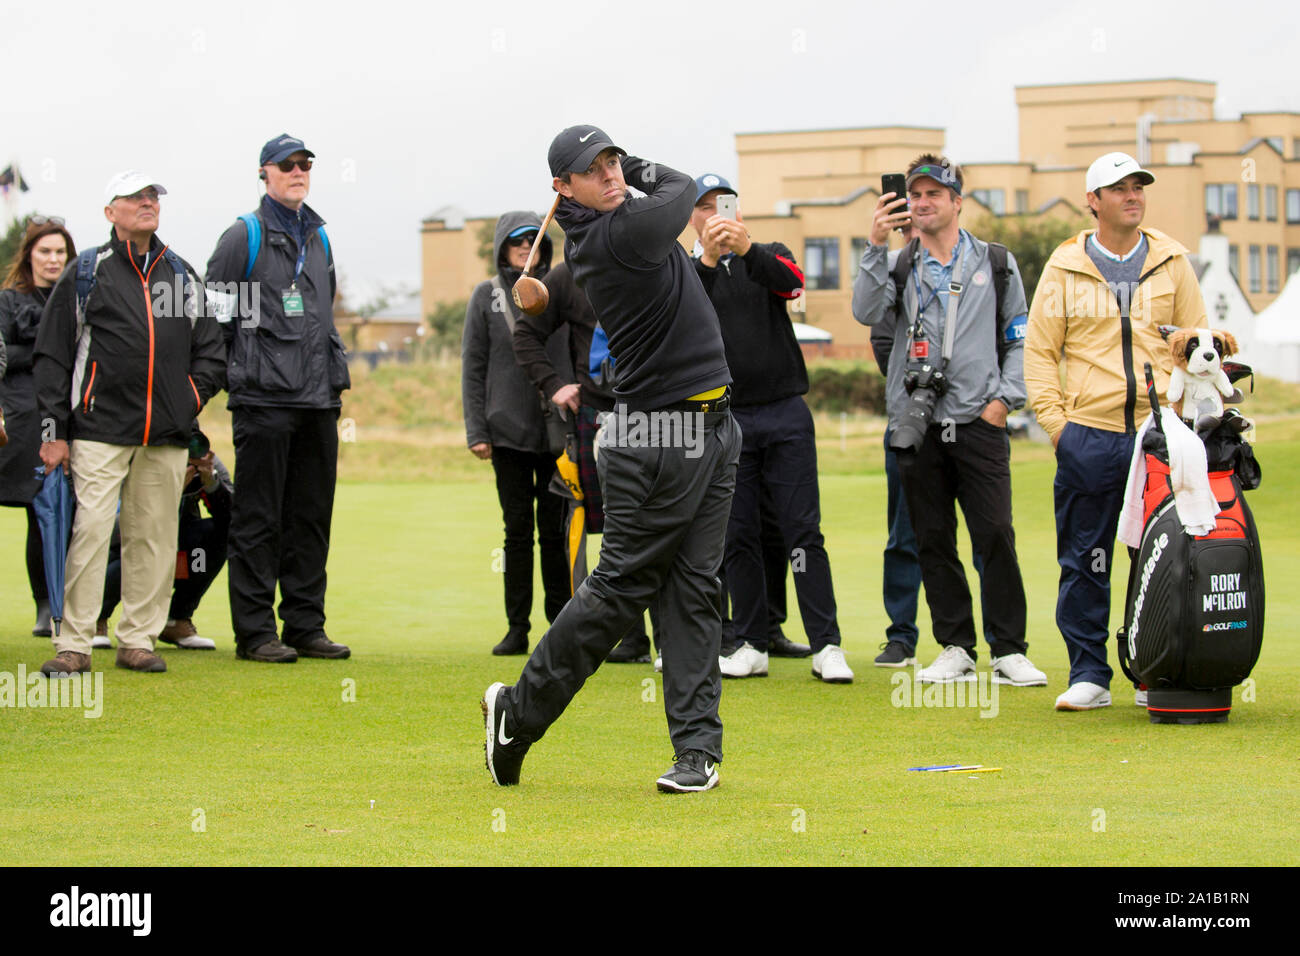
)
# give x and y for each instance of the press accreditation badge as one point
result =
(292, 301)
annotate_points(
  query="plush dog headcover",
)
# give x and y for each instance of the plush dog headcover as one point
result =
(1184, 343)
(1198, 384)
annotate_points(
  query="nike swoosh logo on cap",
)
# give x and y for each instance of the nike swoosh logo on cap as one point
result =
(1120, 163)
(583, 139)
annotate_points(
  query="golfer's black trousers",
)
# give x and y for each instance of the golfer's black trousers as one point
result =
(286, 460)
(666, 511)
(970, 464)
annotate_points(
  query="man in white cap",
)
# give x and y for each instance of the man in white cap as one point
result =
(125, 358)
(1098, 308)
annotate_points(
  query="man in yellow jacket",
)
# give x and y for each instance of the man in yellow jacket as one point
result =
(1098, 308)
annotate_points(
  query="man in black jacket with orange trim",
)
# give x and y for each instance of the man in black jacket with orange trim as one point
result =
(667, 486)
(749, 284)
(120, 377)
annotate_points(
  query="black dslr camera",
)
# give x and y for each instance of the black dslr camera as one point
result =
(924, 385)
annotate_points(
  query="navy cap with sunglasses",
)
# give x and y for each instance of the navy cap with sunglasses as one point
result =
(281, 148)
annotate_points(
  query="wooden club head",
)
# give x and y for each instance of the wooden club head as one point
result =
(530, 295)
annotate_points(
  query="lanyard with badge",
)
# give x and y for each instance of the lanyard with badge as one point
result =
(918, 347)
(291, 298)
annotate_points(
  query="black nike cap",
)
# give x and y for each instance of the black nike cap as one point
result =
(574, 148)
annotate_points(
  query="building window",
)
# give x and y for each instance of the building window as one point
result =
(1221, 200)
(1295, 148)
(1272, 261)
(1292, 261)
(995, 199)
(1293, 205)
(1234, 262)
(1254, 268)
(822, 259)
(1270, 203)
(1252, 201)
(1022, 201)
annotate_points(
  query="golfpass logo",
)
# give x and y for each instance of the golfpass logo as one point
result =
(73, 909)
(36, 691)
(979, 691)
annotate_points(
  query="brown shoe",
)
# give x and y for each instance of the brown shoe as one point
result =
(138, 659)
(65, 663)
(182, 633)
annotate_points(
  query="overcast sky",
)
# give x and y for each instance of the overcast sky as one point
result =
(410, 110)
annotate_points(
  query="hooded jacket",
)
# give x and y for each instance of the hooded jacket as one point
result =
(275, 359)
(662, 328)
(502, 407)
(143, 363)
(974, 376)
(1076, 314)
(567, 310)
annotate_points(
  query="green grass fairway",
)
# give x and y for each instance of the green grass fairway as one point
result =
(221, 762)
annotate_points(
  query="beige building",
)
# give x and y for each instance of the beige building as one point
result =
(815, 190)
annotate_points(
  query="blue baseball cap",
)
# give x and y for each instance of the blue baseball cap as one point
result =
(282, 147)
(522, 231)
(710, 182)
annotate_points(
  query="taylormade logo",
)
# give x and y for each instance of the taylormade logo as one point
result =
(1157, 550)
(103, 910)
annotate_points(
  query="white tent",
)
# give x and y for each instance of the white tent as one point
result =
(1276, 346)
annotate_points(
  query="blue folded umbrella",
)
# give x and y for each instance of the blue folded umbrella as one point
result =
(53, 506)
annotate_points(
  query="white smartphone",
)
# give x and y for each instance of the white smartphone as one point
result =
(727, 206)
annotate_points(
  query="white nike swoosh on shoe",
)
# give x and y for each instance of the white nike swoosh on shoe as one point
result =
(501, 734)
(709, 768)
(583, 139)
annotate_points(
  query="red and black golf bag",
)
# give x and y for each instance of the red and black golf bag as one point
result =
(1194, 615)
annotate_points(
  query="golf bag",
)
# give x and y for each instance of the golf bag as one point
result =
(1194, 615)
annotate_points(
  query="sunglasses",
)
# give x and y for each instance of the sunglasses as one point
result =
(286, 165)
(42, 220)
(527, 239)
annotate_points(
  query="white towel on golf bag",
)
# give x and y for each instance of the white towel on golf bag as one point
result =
(1188, 475)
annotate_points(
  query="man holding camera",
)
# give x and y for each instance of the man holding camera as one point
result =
(955, 371)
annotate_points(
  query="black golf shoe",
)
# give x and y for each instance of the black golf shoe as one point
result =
(778, 645)
(693, 771)
(503, 754)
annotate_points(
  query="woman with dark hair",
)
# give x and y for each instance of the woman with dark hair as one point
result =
(46, 250)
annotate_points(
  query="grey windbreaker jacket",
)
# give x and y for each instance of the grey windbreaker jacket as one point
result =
(502, 407)
(973, 373)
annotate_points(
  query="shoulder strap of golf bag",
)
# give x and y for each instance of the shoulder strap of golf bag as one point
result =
(253, 226)
(87, 260)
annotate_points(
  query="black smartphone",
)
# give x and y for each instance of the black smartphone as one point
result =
(895, 183)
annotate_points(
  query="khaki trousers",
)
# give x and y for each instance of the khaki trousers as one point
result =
(147, 480)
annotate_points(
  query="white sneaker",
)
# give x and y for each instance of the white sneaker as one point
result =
(1016, 670)
(953, 665)
(1083, 696)
(745, 661)
(659, 662)
(1140, 697)
(100, 640)
(829, 665)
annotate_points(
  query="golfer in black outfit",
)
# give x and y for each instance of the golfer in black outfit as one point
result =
(667, 493)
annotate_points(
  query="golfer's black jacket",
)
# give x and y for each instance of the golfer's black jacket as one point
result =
(662, 328)
(749, 293)
(141, 366)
